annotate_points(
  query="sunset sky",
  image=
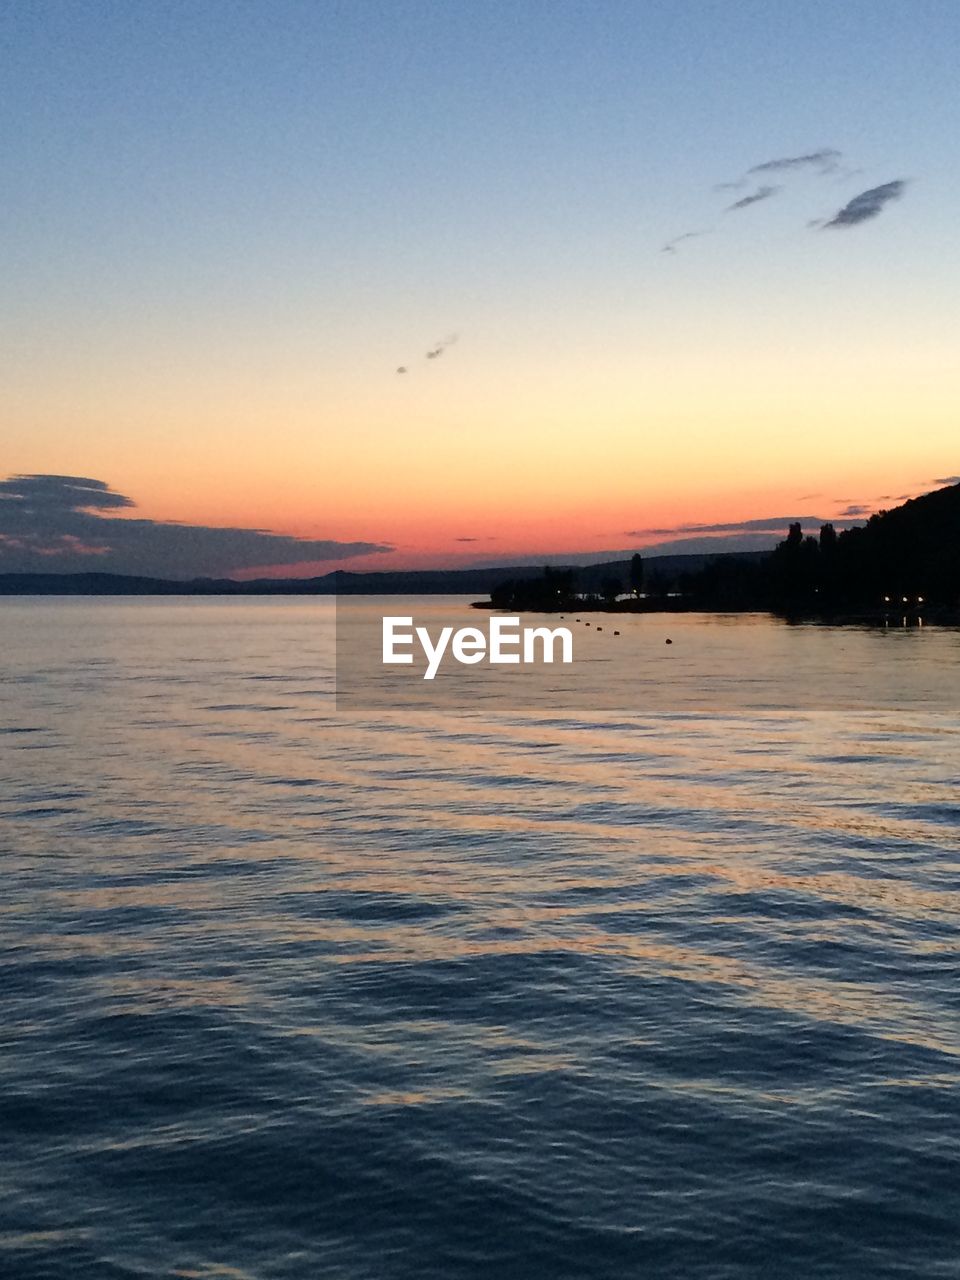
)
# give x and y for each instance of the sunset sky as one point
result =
(226, 226)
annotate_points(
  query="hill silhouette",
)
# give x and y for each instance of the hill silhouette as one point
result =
(908, 556)
(343, 582)
(904, 561)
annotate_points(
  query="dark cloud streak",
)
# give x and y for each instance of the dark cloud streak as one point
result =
(761, 193)
(867, 205)
(53, 524)
(765, 524)
(671, 245)
(826, 160)
(437, 350)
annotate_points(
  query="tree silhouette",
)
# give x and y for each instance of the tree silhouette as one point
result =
(907, 558)
(555, 590)
(636, 573)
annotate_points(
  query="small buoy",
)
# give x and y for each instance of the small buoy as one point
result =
(599, 628)
(616, 633)
(668, 641)
(576, 619)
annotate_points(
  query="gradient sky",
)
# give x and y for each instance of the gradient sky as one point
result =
(225, 226)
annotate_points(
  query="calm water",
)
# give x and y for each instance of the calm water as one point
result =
(672, 991)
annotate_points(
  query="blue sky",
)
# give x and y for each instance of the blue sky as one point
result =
(224, 221)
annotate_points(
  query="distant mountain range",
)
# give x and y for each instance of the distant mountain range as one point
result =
(399, 582)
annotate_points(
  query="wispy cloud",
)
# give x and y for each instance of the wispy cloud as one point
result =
(671, 245)
(763, 524)
(713, 543)
(945, 480)
(54, 524)
(867, 205)
(437, 350)
(826, 160)
(761, 193)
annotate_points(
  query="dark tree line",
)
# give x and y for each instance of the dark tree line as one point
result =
(554, 590)
(557, 589)
(909, 555)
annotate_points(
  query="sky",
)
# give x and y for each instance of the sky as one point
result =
(624, 321)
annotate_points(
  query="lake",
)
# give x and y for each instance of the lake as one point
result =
(658, 976)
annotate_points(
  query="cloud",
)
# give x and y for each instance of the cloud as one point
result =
(761, 193)
(54, 524)
(713, 544)
(825, 160)
(868, 204)
(62, 493)
(688, 546)
(437, 350)
(671, 245)
(945, 480)
(763, 524)
(855, 509)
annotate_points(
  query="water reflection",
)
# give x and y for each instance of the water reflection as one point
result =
(291, 991)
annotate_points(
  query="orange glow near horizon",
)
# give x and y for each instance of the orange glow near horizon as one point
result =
(529, 456)
(435, 539)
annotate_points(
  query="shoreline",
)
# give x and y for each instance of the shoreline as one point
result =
(928, 615)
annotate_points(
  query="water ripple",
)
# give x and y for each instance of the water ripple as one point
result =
(289, 994)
